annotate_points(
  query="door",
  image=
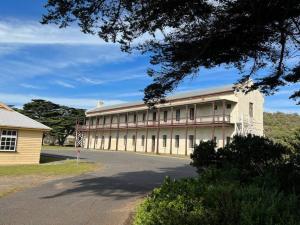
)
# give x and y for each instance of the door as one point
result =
(153, 143)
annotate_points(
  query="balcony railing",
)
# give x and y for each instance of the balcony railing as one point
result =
(202, 120)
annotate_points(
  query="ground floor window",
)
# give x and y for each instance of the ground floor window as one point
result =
(177, 141)
(8, 140)
(164, 140)
(191, 141)
(143, 140)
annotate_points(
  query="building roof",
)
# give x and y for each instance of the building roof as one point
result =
(11, 118)
(189, 94)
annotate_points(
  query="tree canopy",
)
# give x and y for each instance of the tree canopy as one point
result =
(250, 35)
(61, 119)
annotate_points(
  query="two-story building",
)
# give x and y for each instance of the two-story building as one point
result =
(177, 125)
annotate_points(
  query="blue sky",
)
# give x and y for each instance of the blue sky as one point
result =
(70, 68)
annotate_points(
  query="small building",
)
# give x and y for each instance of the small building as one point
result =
(20, 137)
(177, 125)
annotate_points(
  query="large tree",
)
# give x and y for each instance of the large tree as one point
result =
(248, 34)
(61, 119)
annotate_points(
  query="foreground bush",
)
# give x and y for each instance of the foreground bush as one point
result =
(216, 199)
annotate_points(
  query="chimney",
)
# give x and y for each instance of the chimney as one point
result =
(100, 104)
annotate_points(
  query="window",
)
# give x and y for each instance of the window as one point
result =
(111, 119)
(134, 118)
(125, 140)
(177, 141)
(144, 117)
(164, 140)
(154, 116)
(177, 114)
(8, 140)
(98, 121)
(126, 118)
(228, 140)
(215, 107)
(143, 140)
(165, 116)
(133, 140)
(104, 120)
(109, 142)
(215, 140)
(192, 113)
(228, 106)
(251, 109)
(191, 141)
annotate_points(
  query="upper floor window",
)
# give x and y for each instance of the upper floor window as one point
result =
(228, 106)
(154, 116)
(126, 118)
(192, 113)
(97, 121)
(8, 140)
(177, 114)
(134, 118)
(251, 109)
(215, 107)
(165, 116)
(111, 119)
(104, 120)
(144, 117)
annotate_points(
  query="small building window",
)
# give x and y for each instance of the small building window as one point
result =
(8, 140)
(165, 116)
(133, 140)
(143, 140)
(177, 141)
(164, 140)
(191, 141)
(177, 114)
(192, 113)
(134, 118)
(228, 106)
(154, 116)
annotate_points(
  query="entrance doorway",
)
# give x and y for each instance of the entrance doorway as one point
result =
(153, 143)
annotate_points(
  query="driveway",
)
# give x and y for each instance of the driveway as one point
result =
(104, 197)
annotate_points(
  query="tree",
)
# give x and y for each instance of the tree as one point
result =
(61, 119)
(248, 34)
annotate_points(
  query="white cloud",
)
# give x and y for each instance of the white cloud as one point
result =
(86, 103)
(29, 32)
(64, 84)
(31, 86)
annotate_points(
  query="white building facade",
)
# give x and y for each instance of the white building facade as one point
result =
(177, 125)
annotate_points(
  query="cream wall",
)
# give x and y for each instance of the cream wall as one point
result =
(28, 148)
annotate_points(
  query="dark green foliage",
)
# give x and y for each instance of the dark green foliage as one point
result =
(190, 34)
(61, 119)
(216, 199)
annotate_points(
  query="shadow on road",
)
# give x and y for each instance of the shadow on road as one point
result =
(125, 185)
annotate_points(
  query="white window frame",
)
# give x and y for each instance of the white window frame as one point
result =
(8, 136)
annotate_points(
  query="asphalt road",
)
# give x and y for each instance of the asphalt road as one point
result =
(105, 197)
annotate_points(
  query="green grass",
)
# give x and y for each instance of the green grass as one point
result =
(51, 147)
(67, 167)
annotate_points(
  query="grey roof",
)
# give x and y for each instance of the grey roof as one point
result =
(182, 95)
(11, 118)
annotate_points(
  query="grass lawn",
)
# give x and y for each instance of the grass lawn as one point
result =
(66, 167)
(18, 177)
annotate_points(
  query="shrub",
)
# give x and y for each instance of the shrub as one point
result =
(215, 199)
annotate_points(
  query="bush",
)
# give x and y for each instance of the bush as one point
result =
(215, 199)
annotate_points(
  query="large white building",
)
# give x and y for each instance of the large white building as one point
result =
(177, 125)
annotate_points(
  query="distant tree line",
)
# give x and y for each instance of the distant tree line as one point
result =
(60, 118)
